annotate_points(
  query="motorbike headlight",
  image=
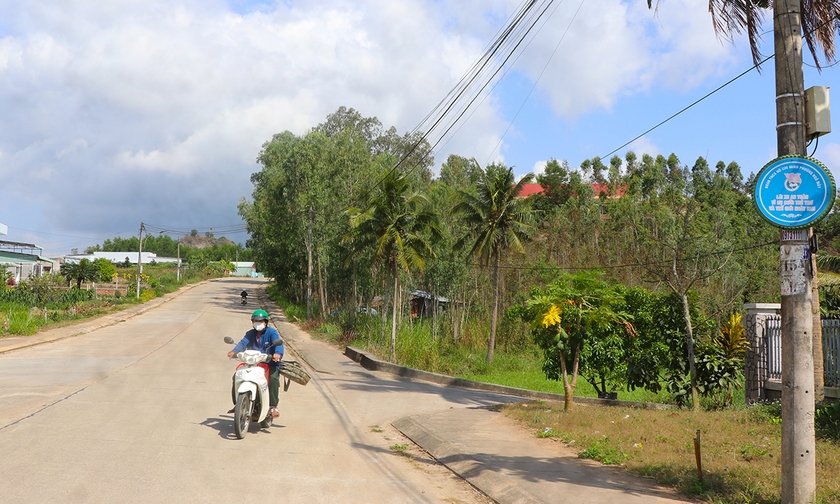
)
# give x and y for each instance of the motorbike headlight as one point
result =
(252, 358)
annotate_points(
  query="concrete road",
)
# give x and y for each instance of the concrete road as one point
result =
(137, 413)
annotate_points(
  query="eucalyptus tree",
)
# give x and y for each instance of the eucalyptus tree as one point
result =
(498, 220)
(459, 172)
(394, 223)
(687, 229)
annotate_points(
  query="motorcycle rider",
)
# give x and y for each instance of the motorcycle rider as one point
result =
(244, 295)
(263, 338)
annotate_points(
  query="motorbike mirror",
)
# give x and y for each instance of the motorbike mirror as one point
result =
(229, 340)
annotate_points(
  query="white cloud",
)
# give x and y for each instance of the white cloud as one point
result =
(73, 146)
(539, 168)
(613, 48)
(644, 146)
(159, 108)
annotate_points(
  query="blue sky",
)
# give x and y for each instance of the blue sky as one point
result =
(149, 110)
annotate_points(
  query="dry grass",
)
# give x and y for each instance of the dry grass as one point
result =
(740, 448)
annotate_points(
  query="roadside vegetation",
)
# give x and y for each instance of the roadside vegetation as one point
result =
(88, 289)
(740, 447)
(622, 279)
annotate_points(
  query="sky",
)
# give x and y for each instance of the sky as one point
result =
(128, 111)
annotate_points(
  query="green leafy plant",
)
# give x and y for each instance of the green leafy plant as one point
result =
(603, 451)
(719, 364)
(400, 449)
(827, 421)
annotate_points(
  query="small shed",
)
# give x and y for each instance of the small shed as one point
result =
(422, 303)
(244, 269)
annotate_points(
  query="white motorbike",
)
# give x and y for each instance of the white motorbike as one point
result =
(250, 391)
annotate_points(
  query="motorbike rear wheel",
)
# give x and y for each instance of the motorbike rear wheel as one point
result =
(242, 415)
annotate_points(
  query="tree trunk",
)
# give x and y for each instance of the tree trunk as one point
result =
(569, 385)
(689, 344)
(434, 313)
(385, 304)
(492, 345)
(356, 299)
(394, 316)
(456, 317)
(309, 267)
(321, 291)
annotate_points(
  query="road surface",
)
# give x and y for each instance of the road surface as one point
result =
(137, 413)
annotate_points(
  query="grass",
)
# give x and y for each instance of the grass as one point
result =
(517, 366)
(20, 318)
(741, 447)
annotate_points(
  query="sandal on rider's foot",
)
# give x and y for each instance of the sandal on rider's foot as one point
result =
(232, 410)
(274, 413)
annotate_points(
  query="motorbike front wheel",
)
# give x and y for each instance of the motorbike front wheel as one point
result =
(242, 415)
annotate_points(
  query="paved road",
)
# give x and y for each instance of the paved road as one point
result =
(136, 413)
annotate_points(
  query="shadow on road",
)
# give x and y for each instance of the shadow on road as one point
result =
(224, 426)
(371, 384)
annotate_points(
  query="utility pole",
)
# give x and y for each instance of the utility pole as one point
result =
(178, 273)
(140, 258)
(798, 442)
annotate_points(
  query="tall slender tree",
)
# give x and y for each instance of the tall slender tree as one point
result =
(498, 220)
(395, 224)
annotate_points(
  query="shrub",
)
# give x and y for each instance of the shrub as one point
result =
(22, 322)
(827, 421)
(603, 451)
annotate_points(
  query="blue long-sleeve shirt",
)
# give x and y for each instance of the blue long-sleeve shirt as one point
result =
(270, 338)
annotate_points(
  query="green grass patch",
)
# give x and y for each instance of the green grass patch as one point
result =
(741, 447)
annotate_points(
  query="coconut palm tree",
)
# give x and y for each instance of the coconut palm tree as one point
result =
(394, 224)
(498, 220)
(818, 18)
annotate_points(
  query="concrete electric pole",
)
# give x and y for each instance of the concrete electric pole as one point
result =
(798, 442)
(140, 258)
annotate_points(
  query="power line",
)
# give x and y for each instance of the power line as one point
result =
(476, 80)
(754, 67)
(730, 81)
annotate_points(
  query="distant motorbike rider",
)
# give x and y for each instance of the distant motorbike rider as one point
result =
(266, 340)
(244, 295)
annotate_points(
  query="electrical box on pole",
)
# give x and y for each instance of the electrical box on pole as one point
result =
(817, 112)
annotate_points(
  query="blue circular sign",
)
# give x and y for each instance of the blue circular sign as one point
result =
(793, 191)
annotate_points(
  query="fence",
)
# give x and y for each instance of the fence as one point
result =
(831, 349)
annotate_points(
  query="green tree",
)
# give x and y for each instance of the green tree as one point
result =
(107, 269)
(498, 220)
(394, 224)
(555, 184)
(570, 313)
(83, 271)
(685, 231)
(460, 172)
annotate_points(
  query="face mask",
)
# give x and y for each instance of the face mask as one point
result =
(259, 326)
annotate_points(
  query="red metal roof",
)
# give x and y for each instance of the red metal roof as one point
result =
(531, 189)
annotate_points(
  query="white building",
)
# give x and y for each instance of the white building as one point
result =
(24, 260)
(121, 257)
